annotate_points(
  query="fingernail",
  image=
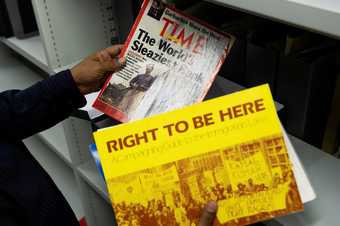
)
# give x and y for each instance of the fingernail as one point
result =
(211, 207)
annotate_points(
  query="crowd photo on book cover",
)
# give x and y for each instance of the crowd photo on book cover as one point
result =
(174, 193)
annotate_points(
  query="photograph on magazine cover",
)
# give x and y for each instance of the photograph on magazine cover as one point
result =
(127, 97)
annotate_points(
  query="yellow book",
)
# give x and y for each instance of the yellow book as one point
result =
(163, 169)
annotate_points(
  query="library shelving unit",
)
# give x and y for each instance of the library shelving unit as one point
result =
(321, 16)
(31, 48)
(70, 30)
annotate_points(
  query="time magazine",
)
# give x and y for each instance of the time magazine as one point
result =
(172, 60)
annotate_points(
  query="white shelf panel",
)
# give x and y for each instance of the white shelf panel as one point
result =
(329, 5)
(55, 139)
(61, 173)
(13, 74)
(104, 215)
(71, 32)
(318, 15)
(89, 173)
(31, 48)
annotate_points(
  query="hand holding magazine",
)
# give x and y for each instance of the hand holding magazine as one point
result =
(172, 60)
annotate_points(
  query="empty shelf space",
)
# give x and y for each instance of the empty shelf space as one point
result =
(90, 174)
(31, 48)
(55, 139)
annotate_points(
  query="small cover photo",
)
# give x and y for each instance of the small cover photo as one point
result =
(172, 60)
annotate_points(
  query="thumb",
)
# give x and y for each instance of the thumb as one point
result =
(208, 214)
(113, 65)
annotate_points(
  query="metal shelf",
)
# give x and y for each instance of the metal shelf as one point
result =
(90, 174)
(70, 32)
(317, 15)
(31, 48)
(13, 74)
(55, 139)
(102, 212)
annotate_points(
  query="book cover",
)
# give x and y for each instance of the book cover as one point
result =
(172, 60)
(162, 170)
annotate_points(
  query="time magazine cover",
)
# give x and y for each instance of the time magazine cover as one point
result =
(172, 60)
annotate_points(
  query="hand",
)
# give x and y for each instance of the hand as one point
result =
(208, 214)
(91, 74)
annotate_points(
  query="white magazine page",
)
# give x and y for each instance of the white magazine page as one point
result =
(306, 190)
(93, 113)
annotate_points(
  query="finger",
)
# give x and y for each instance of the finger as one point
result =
(114, 51)
(113, 65)
(208, 215)
(104, 56)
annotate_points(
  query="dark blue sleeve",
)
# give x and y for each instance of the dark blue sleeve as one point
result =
(26, 112)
